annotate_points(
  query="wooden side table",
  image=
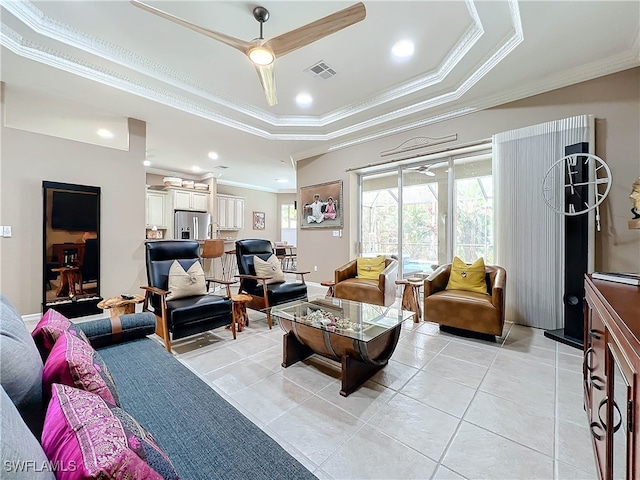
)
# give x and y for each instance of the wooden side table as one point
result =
(240, 317)
(411, 296)
(329, 283)
(119, 305)
(68, 277)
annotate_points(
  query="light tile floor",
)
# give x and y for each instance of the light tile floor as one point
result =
(445, 407)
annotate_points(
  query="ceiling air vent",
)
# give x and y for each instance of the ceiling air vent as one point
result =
(322, 70)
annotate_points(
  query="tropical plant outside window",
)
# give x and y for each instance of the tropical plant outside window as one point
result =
(474, 219)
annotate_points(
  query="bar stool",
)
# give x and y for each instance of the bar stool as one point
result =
(229, 265)
(213, 249)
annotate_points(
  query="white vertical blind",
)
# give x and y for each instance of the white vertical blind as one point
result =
(530, 236)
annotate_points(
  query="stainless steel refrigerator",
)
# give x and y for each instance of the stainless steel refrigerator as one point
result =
(191, 225)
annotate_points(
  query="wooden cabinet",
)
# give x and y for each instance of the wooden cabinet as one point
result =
(230, 212)
(611, 365)
(190, 200)
(156, 209)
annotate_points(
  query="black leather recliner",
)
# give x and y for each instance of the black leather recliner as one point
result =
(264, 295)
(90, 265)
(182, 317)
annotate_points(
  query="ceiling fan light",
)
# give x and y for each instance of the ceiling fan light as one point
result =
(304, 99)
(261, 56)
(403, 49)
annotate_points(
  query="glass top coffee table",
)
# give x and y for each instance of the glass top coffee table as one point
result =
(359, 335)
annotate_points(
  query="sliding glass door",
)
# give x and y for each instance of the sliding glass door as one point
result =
(379, 215)
(424, 188)
(473, 209)
(425, 213)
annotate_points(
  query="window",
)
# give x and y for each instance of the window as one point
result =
(425, 213)
(288, 216)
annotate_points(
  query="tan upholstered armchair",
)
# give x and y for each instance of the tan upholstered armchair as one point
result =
(472, 311)
(378, 292)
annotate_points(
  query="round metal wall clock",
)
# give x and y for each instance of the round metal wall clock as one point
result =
(576, 184)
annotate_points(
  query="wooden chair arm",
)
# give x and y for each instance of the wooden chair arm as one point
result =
(157, 291)
(221, 282)
(253, 277)
(297, 272)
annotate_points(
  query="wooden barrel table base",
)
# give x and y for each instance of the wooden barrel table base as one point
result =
(359, 359)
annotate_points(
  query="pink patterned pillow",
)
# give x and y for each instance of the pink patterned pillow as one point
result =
(75, 363)
(87, 438)
(49, 328)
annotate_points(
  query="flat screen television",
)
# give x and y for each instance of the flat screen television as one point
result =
(74, 211)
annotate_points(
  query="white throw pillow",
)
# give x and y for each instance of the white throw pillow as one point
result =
(186, 284)
(270, 268)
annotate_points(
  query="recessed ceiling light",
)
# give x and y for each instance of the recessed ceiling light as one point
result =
(104, 133)
(212, 155)
(196, 168)
(146, 163)
(281, 180)
(304, 99)
(402, 49)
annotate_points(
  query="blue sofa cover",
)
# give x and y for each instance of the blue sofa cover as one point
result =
(204, 436)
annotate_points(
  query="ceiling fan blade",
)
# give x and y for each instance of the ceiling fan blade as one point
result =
(231, 41)
(268, 81)
(290, 41)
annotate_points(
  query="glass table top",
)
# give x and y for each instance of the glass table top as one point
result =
(360, 321)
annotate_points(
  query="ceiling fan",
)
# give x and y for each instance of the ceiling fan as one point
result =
(428, 169)
(263, 52)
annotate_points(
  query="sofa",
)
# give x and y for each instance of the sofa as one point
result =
(202, 435)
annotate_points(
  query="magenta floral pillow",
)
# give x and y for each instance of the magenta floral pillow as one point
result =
(75, 363)
(49, 328)
(89, 438)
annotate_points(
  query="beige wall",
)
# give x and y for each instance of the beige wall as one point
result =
(615, 102)
(28, 159)
(255, 201)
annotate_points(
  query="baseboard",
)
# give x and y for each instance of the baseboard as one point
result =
(31, 320)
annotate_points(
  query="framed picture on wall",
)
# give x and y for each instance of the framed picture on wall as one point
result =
(258, 220)
(322, 205)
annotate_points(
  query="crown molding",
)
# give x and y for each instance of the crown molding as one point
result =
(25, 48)
(28, 49)
(614, 64)
(37, 21)
(247, 185)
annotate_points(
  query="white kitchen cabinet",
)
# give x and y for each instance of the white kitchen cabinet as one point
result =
(156, 209)
(190, 200)
(230, 212)
(200, 201)
(181, 200)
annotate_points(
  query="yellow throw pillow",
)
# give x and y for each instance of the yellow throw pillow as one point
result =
(186, 284)
(269, 268)
(468, 277)
(370, 267)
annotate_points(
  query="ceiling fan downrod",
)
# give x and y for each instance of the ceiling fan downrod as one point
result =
(261, 14)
